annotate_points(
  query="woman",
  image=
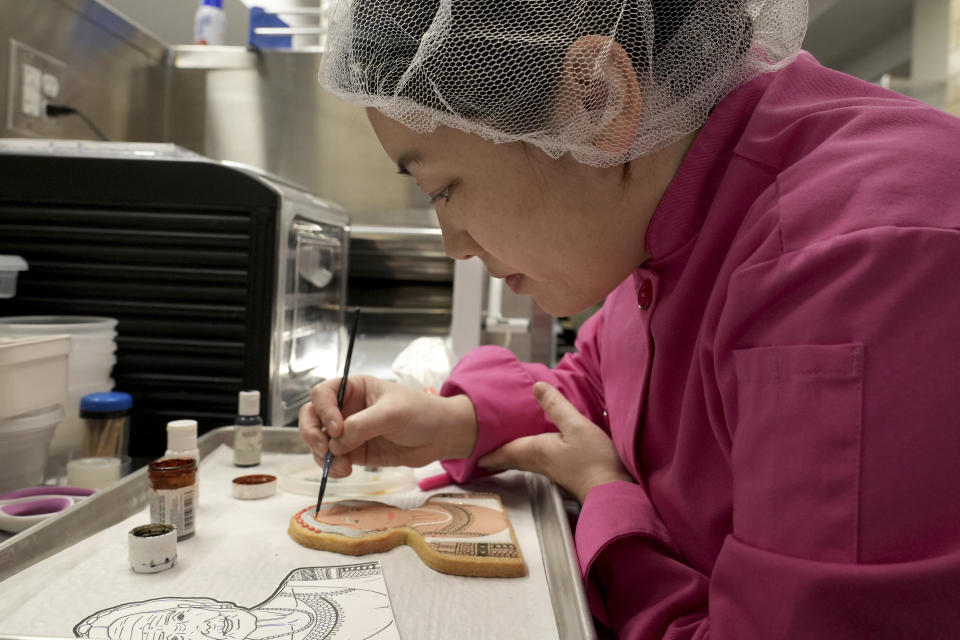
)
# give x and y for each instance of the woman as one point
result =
(761, 421)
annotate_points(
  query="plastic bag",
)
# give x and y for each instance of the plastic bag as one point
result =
(424, 364)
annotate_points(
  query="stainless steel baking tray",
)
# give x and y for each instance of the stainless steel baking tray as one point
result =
(129, 495)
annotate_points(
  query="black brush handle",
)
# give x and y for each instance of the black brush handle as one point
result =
(340, 393)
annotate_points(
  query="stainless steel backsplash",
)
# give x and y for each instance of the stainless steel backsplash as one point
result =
(112, 70)
(265, 109)
(260, 108)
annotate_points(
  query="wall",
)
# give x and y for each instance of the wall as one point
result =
(953, 60)
(171, 21)
(903, 44)
(268, 110)
(865, 38)
(111, 72)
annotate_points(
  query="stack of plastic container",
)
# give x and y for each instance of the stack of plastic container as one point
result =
(33, 384)
(10, 268)
(91, 361)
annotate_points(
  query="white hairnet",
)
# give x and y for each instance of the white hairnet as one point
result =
(552, 72)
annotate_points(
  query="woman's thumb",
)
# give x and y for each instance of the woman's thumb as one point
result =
(556, 406)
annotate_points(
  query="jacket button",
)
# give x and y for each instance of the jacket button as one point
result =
(645, 294)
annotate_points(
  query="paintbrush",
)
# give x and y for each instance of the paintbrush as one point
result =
(340, 393)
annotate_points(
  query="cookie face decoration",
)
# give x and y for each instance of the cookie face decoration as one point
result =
(465, 534)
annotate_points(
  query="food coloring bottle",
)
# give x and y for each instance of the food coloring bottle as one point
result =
(248, 430)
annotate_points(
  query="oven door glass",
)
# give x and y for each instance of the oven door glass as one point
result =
(313, 309)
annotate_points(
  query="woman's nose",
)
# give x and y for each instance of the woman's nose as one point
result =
(459, 245)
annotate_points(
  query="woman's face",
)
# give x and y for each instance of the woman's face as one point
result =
(565, 233)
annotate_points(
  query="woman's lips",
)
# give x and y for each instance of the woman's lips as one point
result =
(514, 281)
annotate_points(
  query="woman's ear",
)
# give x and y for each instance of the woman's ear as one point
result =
(600, 98)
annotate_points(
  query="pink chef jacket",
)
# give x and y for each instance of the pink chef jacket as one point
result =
(781, 378)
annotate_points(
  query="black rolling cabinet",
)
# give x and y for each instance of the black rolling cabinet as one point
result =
(195, 259)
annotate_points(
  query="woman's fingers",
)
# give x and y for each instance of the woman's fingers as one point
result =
(340, 466)
(323, 399)
(578, 457)
(530, 453)
(363, 426)
(310, 431)
(563, 414)
(385, 424)
(539, 453)
(320, 421)
(318, 441)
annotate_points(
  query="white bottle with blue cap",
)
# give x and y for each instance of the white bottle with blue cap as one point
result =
(210, 23)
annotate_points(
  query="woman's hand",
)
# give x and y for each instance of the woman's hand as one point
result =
(578, 458)
(385, 424)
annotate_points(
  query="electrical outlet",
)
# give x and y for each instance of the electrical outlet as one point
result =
(35, 80)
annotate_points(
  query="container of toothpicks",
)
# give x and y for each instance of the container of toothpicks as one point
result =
(106, 419)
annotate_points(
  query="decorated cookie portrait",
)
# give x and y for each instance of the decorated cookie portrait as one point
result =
(467, 534)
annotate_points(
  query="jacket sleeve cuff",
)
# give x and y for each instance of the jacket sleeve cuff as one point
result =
(502, 394)
(613, 511)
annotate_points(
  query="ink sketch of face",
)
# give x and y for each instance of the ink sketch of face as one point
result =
(170, 619)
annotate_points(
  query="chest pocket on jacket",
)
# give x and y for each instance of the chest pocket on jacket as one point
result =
(796, 449)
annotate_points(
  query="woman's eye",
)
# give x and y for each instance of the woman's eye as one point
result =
(441, 195)
(180, 616)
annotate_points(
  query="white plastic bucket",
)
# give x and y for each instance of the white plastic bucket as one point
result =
(89, 365)
(92, 338)
(33, 373)
(10, 267)
(94, 371)
(84, 327)
(24, 446)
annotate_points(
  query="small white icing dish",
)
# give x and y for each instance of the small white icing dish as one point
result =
(152, 547)
(254, 487)
(94, 472)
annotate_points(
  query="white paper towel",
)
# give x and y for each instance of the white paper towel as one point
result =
(242, 552)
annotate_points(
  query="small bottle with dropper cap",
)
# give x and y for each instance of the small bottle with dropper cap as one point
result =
(182, 440)
(248, 430)
(182, 443)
